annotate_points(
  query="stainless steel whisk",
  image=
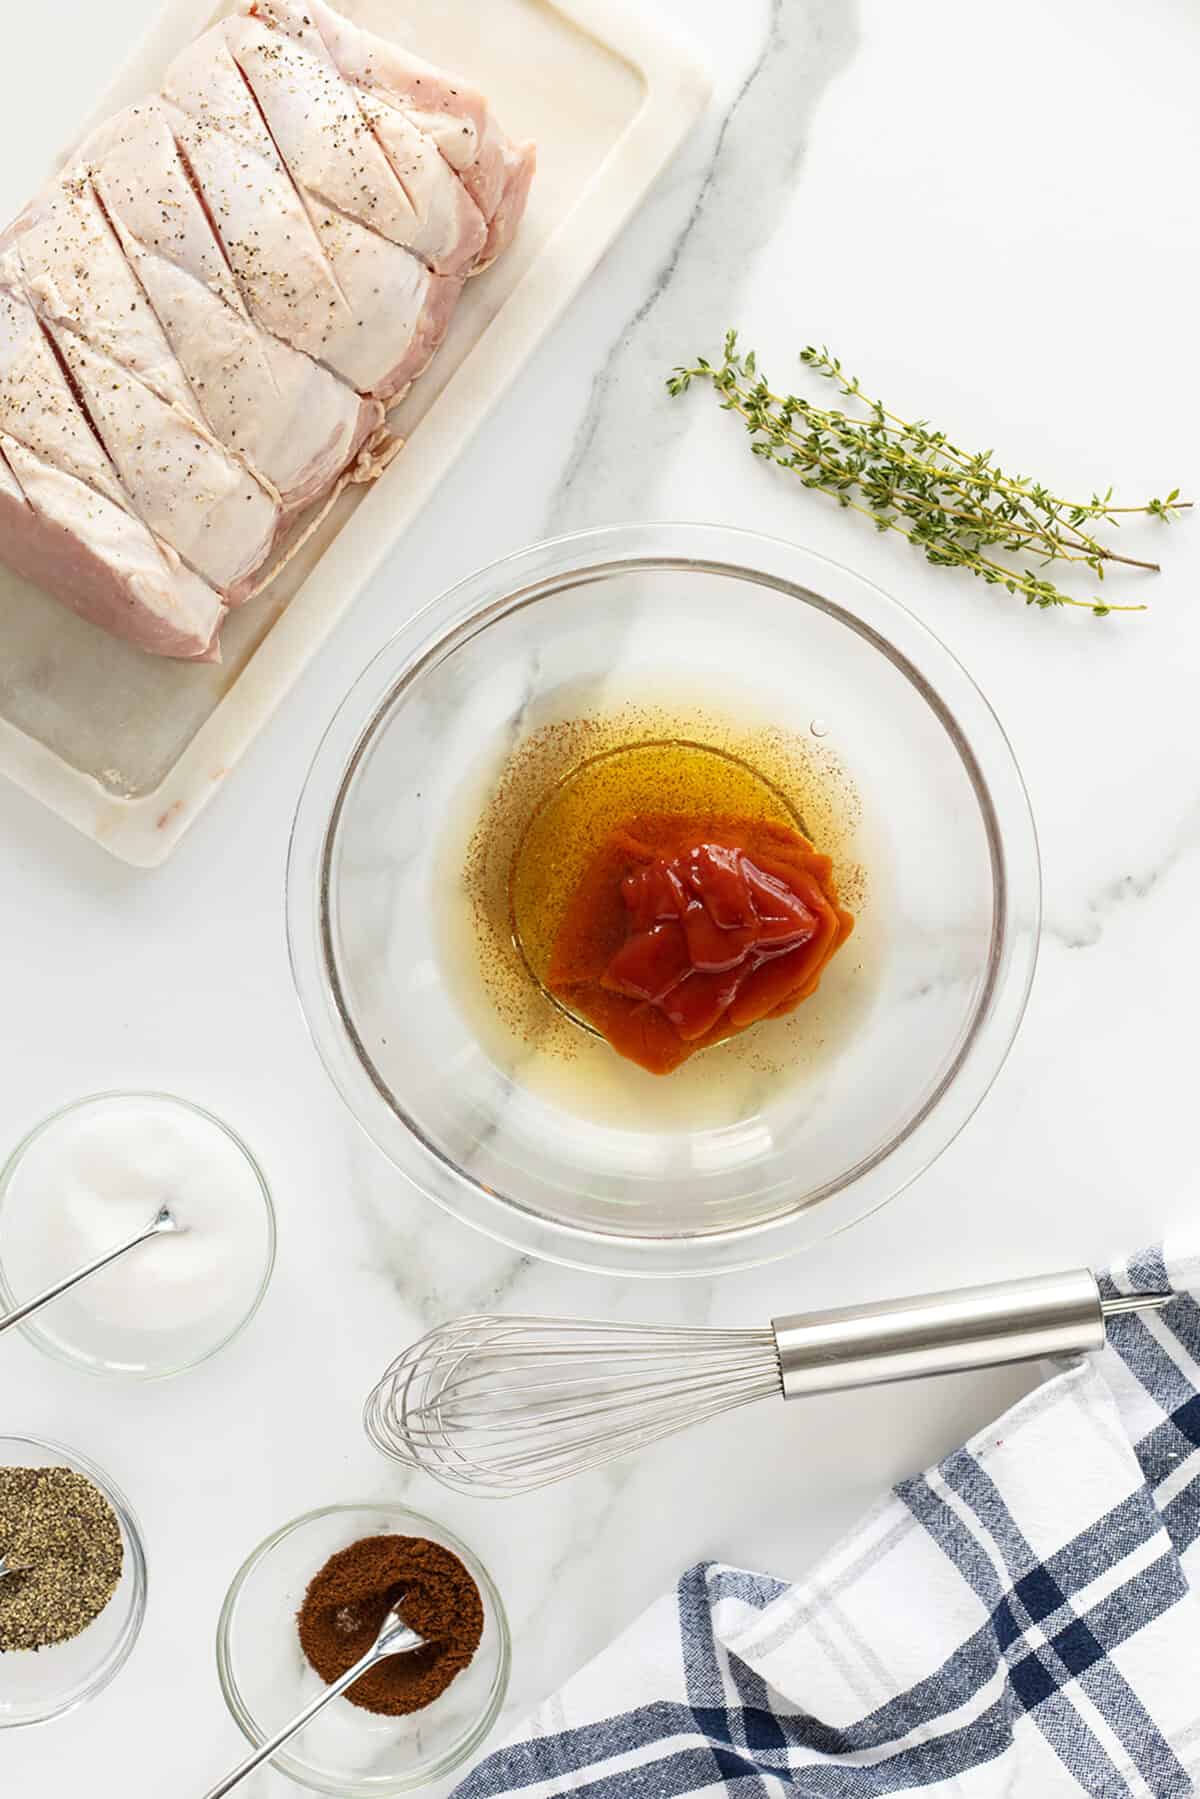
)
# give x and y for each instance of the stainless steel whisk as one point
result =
(503, 1405)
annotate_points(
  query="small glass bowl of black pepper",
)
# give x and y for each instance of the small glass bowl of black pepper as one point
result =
(71, 1613)
(267, 1678)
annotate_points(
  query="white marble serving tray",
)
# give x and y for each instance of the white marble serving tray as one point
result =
(129, 748)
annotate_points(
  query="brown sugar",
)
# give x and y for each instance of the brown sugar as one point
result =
(348, 1599)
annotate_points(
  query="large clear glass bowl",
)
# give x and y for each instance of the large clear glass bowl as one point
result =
(37, 1685)
(266, 1680)
(949, 928)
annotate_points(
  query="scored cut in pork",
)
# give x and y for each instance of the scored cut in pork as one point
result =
(296, 425)
(38, 407)
(205, 317)
(395, 183)
(62, 256)
(67, 264)
(67, 538)
(328, 285)
(495, 172)
(194, 495)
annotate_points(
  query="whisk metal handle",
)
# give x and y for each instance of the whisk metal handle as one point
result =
(946, 1333)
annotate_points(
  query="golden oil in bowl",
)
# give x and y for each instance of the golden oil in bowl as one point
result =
(520, 840)
(666, 774)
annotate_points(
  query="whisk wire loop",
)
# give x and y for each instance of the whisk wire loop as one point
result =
(504, 1405)
(510, 1404)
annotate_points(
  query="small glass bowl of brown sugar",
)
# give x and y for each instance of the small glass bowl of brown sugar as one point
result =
(71, 1612)
(324, 1577)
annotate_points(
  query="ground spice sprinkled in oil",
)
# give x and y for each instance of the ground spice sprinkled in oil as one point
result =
(572, 782)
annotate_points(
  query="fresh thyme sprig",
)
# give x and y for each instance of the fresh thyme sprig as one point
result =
(907, 477)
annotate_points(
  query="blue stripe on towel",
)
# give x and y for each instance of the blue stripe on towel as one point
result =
(1035, 1676)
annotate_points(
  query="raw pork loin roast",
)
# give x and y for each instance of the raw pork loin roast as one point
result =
(205, 317)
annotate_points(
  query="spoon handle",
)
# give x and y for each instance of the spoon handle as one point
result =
(396, 1643)
(8, 1319)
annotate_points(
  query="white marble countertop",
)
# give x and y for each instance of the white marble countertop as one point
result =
(991, 216)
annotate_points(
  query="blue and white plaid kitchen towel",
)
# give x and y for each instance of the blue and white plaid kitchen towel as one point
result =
(1021, 1622)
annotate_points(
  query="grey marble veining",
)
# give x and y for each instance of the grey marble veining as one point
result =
(860, 178)
(1085, 925)
(733, 184)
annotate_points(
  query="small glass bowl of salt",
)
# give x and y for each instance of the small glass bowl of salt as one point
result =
(85, 1180)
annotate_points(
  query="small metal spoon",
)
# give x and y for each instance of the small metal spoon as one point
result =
(395, 1638)
(6, 1569)
(163, 1224)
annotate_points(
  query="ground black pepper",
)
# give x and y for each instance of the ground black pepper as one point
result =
(348, 1599)
(61, 1536)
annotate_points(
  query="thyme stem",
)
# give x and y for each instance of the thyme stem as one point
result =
(907, 477)
(1032, 531)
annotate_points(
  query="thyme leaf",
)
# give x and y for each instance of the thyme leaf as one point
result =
(955, 506)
